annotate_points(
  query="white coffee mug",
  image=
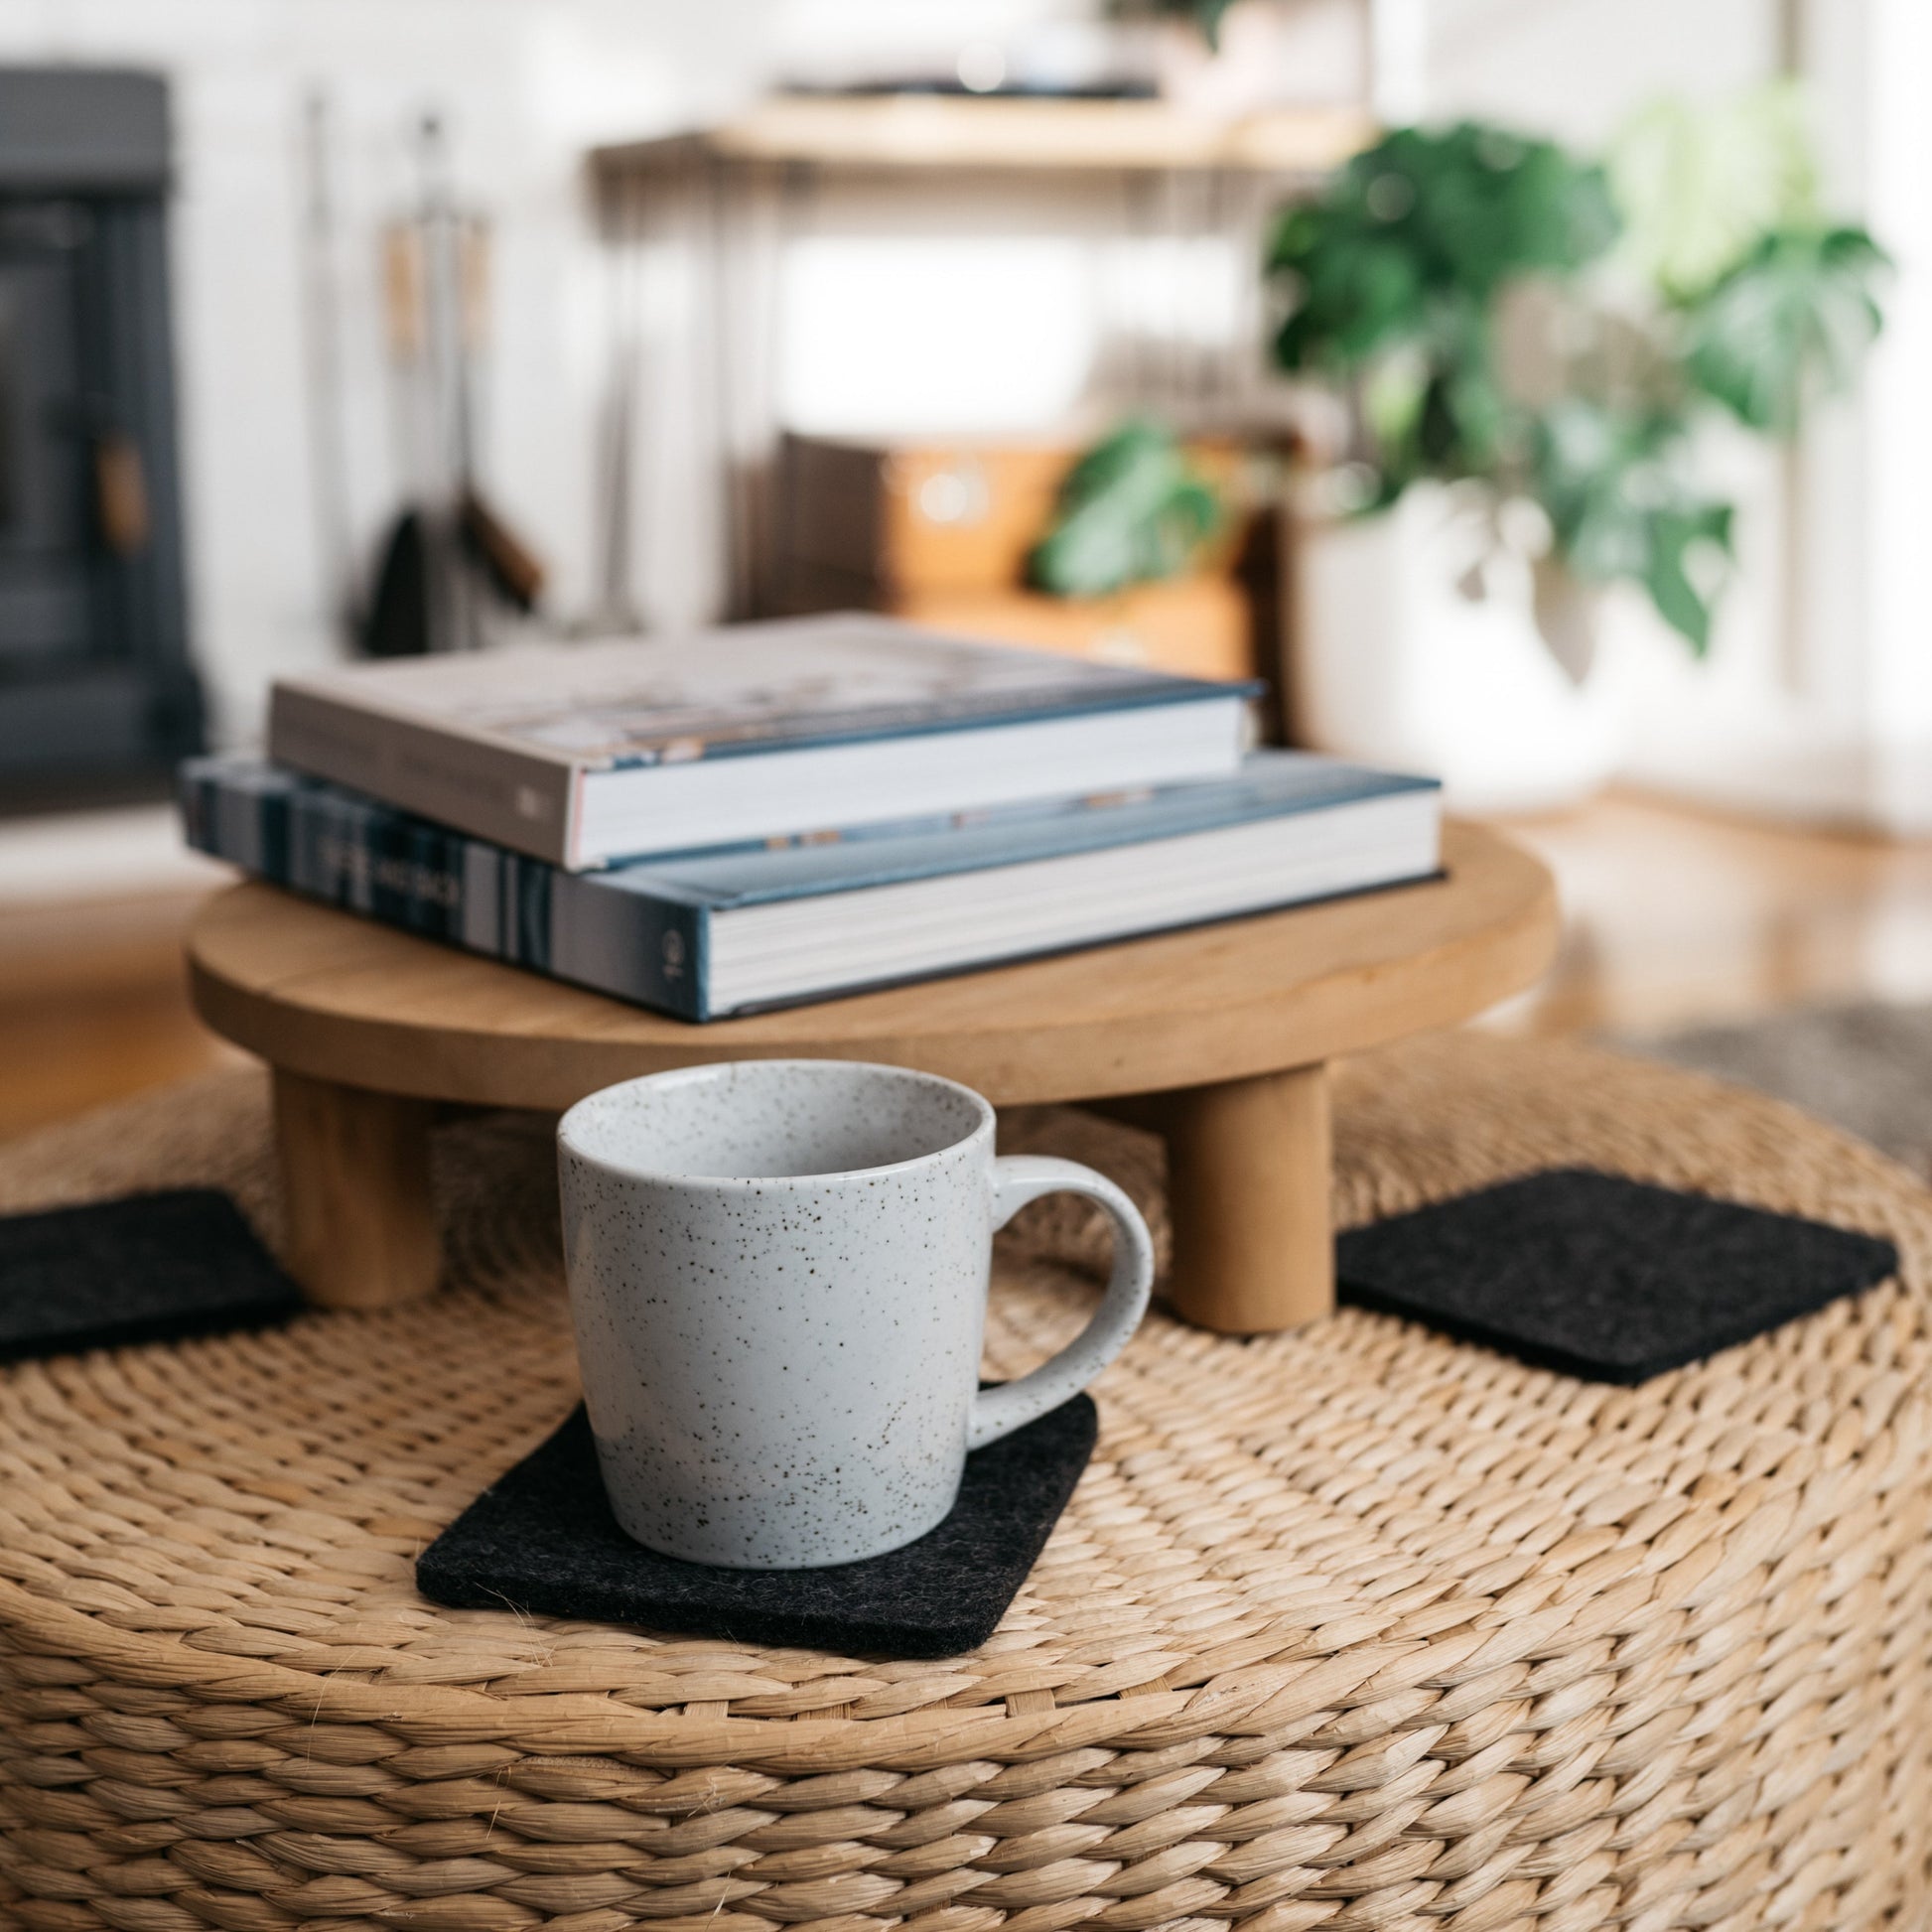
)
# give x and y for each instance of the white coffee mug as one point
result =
(778, 1274)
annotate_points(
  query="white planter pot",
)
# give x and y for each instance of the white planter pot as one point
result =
(1415, 645)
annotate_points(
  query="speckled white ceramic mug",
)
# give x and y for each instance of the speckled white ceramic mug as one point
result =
(778, 1274)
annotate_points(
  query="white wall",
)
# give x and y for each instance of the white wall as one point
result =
(1579, 68)
(1895, 415)
(1826, 711)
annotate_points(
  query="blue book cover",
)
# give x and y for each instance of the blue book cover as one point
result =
(645, 932)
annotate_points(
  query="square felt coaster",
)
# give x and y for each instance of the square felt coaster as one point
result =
(1601, 1277)
(148, 1268)
(543, 1538)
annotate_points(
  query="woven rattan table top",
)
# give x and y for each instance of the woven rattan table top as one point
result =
(1352, 1627)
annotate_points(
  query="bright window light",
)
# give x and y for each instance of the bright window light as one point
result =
(955, 336)
(1181, 287)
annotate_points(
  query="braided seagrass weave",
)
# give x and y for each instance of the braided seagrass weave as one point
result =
(1354, 1628)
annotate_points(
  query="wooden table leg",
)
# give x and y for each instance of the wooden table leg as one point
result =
(1248, 1175)
(362, 1233)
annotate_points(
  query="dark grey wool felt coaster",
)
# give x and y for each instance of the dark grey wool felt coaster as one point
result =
(542, 1539)
(1601, 1277)
(147, 1268)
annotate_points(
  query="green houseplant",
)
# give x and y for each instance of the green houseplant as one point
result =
(1555, 333)
(1131, 510)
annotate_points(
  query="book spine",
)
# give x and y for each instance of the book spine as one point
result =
(519, 800)
(442, 885)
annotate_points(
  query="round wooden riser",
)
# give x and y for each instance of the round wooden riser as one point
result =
(1219, 1036)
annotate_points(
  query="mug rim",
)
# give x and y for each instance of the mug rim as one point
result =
(704, 1070)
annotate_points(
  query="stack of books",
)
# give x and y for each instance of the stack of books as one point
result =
(772, 813)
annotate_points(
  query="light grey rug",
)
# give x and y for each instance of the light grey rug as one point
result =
(1866, 1068)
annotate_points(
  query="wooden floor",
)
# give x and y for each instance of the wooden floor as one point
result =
(1672, 917)
(93, 1005)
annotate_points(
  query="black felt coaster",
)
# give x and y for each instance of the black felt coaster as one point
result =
(149, 1268)
(1601, 1277)
(543, 1539)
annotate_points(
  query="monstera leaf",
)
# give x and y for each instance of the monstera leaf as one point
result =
(1616, 485)
(1425, 220)
(1700, 185)
(1395, 273)
(1209, 14)
(1790, 320)
(1132, 509)
(1352, 293)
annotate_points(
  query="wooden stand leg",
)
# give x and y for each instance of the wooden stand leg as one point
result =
(1248, 1174)
(362, 1233)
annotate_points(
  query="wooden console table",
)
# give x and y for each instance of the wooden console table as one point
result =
(1218, 1036)
(725, 204)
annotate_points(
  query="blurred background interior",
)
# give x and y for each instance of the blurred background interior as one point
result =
(1553, 448)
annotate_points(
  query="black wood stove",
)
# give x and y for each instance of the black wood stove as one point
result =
(97, 690)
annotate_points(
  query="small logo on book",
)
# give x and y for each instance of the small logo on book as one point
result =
(673, 955)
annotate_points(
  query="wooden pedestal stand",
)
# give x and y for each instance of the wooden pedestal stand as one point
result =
(1224, 1031)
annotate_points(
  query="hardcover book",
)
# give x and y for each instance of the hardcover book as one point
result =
(593, 752)
(707, 934)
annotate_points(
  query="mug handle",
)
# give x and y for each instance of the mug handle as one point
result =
(1018, 1179)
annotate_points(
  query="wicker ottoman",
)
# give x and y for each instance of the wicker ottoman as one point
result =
(1352, 1628)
